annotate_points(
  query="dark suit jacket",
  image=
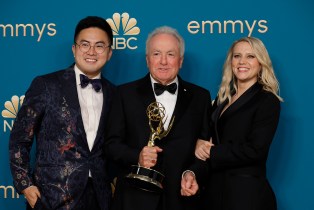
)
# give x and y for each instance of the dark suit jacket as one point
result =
(242, 137)
(129, 132)
(51, 113)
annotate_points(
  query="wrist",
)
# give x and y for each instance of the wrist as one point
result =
(188, 171)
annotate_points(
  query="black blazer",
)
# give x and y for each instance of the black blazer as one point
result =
(51, 114)
(242, 137)
(129, 132)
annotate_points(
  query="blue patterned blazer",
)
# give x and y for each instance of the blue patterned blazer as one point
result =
(51, 114)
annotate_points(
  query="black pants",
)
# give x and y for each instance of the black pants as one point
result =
(88, 200)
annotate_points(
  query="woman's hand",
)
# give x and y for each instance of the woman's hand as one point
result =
(202, 149)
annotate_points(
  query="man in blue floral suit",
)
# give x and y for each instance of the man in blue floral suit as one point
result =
(66, 113)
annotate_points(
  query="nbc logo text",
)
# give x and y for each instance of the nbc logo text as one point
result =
(126, 26)
(10, 111)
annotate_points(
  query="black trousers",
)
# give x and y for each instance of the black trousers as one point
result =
(88, 200)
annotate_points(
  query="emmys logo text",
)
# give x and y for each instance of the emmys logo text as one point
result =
(227, 27)
(8, 192)
(126, 26)
(37, 30)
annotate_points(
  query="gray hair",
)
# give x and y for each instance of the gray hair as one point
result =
(170, 31)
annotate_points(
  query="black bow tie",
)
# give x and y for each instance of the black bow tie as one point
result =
(96, 83)
(159, 88)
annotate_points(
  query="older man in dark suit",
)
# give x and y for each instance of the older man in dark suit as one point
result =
(66, 112)
(173, 155)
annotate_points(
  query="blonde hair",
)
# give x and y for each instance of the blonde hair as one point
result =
(266, 76)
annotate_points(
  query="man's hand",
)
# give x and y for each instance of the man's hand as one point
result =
(189, 184)
(148, 156)
(31, 194)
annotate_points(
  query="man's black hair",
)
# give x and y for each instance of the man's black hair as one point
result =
(94, 21)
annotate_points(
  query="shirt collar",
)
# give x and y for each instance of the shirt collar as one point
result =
(78, 72)
(155, 81)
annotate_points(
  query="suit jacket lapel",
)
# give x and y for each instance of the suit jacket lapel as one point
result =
(183, 100)
(242, 100)
(216, 115)
(68, 83)
(68, 86)
(107, 99)
(145, 89)
(146, 95)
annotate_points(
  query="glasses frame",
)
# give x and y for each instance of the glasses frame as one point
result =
(90, 46)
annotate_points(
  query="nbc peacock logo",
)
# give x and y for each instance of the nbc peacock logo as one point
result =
(10, 111)
(123, 25)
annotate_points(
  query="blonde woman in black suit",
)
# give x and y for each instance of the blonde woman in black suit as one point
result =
(244, 121)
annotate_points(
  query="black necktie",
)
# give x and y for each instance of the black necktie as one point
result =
(96, 83)
(159, 88)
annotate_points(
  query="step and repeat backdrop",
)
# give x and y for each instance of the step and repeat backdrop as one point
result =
(36, 38)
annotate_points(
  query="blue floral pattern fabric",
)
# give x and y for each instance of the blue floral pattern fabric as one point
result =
(51, 117)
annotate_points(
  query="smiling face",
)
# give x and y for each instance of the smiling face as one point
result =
(90, 62)
(163, 58)
(245, 65)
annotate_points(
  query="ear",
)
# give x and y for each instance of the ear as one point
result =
(109, 54)
(73, 50)
(181, 61)
(146, 60)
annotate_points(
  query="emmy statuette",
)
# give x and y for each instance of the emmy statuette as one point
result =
(146, 178)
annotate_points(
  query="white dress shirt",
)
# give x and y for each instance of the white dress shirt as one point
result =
(168, 100)
(91, 106)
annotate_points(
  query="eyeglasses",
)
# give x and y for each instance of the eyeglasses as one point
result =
(86, 46)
